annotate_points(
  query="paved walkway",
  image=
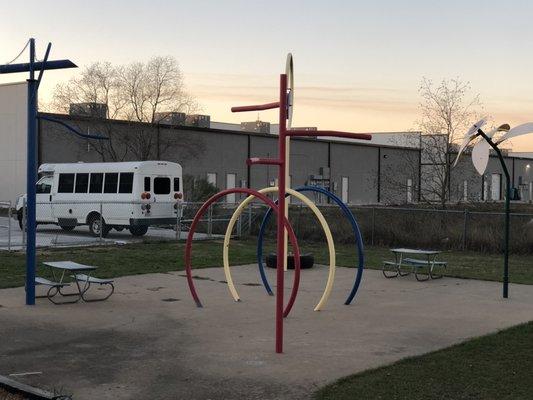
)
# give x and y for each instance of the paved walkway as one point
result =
(149, 341)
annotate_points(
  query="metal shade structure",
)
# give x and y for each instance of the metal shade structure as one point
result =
(31, 168)
(480, 158)
(37, 66)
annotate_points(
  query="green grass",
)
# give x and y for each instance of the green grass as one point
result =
(493, 367)
(163, 257)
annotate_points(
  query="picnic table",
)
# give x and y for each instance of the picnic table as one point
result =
(64, 273)
(427, 260)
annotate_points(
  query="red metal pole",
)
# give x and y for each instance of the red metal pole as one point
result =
(281, 211)
(257, 107)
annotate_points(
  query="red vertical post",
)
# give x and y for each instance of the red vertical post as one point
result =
(281, 213)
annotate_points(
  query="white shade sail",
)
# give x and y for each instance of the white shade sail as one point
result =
(517, 131)
(471, 134)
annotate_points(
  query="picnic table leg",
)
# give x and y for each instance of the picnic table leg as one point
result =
(384, 271)
(400, 267)
(431, 270)
(97, 299)
(428, 273)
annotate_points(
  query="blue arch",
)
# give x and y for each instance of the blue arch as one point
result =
(357, 233)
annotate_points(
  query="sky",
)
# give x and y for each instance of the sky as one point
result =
(358, 65)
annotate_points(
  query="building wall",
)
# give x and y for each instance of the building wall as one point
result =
(360, 166)
(375, 173)
(13, 134)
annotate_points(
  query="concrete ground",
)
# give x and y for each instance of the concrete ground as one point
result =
(149, 341)
(52, 235)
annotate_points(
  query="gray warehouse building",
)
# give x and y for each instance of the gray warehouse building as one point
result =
(393, 168)
(354, 170)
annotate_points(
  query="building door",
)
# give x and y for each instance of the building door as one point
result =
(409, 190)
(496, 187)
(344, 189)
(212, 178)
(230, 184)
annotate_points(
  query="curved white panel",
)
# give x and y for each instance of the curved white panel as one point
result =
(480, 155)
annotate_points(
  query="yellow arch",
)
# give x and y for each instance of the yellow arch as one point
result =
(321, 219)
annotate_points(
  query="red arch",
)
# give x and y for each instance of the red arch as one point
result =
(288, 226)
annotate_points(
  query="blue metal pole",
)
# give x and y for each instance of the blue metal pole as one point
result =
(31, 179)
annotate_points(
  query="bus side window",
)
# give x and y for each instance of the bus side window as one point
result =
(82, 183)
(126, 182)
(97, 181)
(176, 184)
(162, 185)
(111, 182)
(66, 183)
(147, 185)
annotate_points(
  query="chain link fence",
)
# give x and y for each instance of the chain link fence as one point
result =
(64, 224)
(416, 227)
(89, 223)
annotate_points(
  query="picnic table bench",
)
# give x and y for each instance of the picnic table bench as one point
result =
(392, 269)
(61, 271)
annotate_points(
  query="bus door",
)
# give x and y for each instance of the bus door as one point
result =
(44, 199)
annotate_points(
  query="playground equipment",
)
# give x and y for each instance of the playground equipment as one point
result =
(284, 229)
(480, 159)
(31, 166)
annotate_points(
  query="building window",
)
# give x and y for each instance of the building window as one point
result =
(82, 183)
(162, 185)
(212, 178)
(66, 183)
(230, 184)
(126, 182)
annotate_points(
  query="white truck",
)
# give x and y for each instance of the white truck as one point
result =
(105, 196)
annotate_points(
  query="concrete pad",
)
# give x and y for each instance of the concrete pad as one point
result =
(150, 341)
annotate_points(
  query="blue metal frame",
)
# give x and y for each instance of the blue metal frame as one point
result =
(31, 166)
(357, 233)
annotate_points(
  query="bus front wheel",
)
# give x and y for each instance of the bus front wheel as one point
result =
(98, 226)
(138, 230)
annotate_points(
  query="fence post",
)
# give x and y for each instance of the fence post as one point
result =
(373, 225)
(178, 222)
(24, 223)
(210, 222)
(9, 215)
(250, 219)
(101, 222)
(465, 228)
(239, 226)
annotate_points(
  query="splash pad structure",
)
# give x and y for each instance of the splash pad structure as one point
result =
(284, 228)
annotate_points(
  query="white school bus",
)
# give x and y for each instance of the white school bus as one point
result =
(105, 196)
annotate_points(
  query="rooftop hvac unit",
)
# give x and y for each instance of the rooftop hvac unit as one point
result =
(94, 110)
(170, 118)
(201, 121)
(256, 126)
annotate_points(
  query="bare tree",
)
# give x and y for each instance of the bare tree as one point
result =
(137, 92)
(448, 110)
